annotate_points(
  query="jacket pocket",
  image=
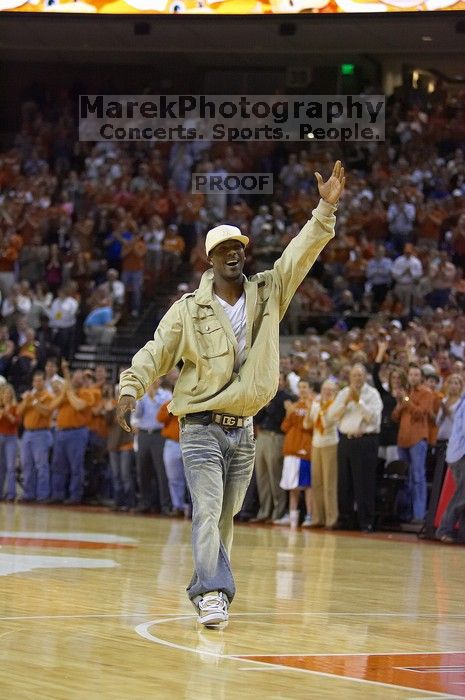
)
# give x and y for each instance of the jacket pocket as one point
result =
(211, 338)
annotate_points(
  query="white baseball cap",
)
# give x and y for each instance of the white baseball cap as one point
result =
(221, 233)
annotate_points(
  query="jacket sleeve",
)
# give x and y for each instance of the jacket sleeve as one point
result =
(377, 381)
(156, 358)
(298, 257)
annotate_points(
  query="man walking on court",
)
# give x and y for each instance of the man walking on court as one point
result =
(226, 335)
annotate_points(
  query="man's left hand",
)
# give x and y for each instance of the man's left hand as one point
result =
(331, 190)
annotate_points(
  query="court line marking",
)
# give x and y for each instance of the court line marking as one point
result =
(143, 631)
(247, 614)
(84, 615)
(21, 629)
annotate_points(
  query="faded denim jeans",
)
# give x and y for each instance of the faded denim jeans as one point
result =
(218, 464)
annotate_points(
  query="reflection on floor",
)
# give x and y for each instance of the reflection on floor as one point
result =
(94, 605)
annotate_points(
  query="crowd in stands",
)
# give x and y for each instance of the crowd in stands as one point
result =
(89, 231)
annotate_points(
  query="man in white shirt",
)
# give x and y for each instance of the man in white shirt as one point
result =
(357, 410)
(407, 270)
(401, 218)
(114, 288)
(62, 314)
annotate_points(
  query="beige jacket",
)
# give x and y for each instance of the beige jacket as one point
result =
(196, 331)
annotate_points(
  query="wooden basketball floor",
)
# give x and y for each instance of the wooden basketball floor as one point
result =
(92, 605)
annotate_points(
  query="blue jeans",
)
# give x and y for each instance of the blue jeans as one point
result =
(68, 460)
(218, 465)
(121, 477)
(174, 468)
(134, 282)
(455, 511)
(35, 448)
(415, 456)
(8, 449)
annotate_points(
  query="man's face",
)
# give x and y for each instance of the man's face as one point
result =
(50, 368)
(38, 382)
(357, 378)
(443, 360)
(414, 376)
(100, 373)
(432, 383)
(304, 391)
(77, 380)
(228, 260)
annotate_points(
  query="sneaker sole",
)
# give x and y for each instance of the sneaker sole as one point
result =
(213, 619)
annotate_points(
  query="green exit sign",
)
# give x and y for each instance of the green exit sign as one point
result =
(347, 68)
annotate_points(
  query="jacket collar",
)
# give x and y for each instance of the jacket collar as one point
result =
(205, 297)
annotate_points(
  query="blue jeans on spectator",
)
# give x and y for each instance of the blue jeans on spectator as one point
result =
(455, 511)
(8, 450)
(121, 476)
(218, 465)
(68, 460)
(174, 468)
(134, 281)
(35, 449)
(415, 456)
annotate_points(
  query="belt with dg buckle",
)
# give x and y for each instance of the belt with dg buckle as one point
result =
(206, 417)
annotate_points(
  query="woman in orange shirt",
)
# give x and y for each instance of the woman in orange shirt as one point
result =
(9, 421)
(172, 458)
(297, 448)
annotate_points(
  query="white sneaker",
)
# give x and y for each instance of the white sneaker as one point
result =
(294, 516)
(285, 520)
(307, 521)
(213, 609)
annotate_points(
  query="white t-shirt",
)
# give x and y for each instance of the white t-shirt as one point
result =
(237, 317)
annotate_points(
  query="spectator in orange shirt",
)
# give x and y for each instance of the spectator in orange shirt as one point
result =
(415, 413)
(173, 248)
(133, 253)
(172, 458)
(9, 253)
(9, 421)
(36, 440)
(74, 404)
(297, 448)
